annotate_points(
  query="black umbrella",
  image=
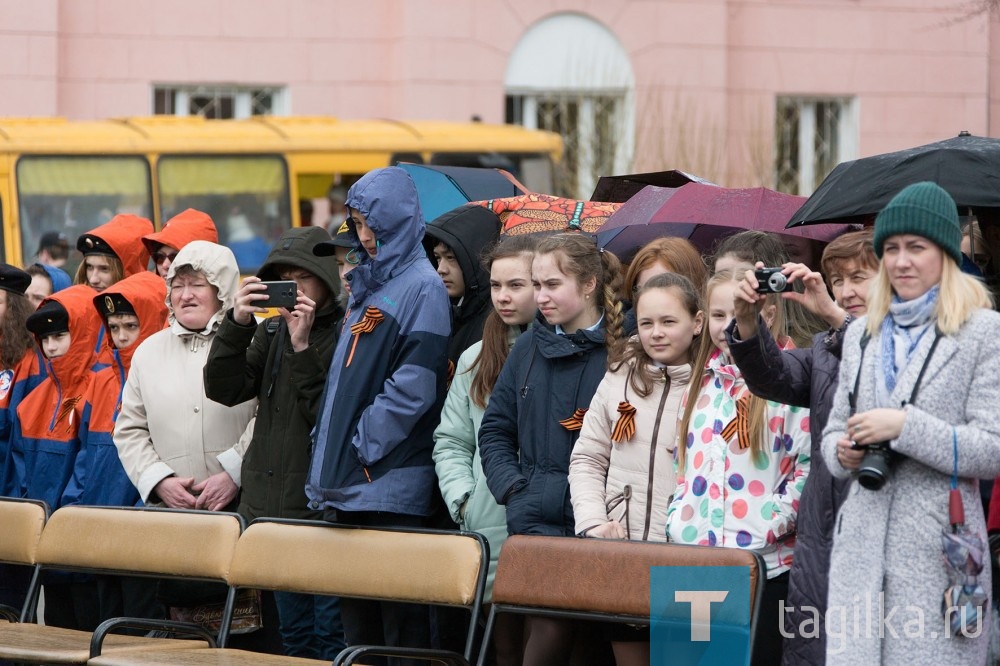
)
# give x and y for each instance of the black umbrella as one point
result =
(619, 189)
(967, 166)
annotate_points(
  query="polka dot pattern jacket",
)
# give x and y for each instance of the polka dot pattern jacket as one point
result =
(725, 495)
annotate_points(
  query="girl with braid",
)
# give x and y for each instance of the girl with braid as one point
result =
(539, 400)
(741, 461)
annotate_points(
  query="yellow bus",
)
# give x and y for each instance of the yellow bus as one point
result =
(252, 176)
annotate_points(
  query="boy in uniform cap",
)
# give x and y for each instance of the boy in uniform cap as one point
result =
(347, 258)
(188, 225)
(131, 310)
(112, 252)
(46, 434)
(21, 369)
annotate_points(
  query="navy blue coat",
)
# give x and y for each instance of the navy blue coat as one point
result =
(524, 448)
(804, 378)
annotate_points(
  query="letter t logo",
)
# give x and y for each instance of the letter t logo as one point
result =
(701, 610)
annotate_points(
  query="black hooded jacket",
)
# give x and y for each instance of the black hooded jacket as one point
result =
(258, 361)
(469, 231)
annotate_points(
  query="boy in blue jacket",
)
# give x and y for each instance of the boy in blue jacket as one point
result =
(371, 461)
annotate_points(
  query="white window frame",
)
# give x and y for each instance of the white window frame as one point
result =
(847, 135)
(242, 97)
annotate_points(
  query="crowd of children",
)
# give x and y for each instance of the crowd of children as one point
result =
(531, 385)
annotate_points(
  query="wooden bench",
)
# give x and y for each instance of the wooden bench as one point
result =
(162, 543)
(314, 557)
(597, 579)
(22, 521)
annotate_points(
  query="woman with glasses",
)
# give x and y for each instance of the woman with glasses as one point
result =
(181, 229)
(914, 416)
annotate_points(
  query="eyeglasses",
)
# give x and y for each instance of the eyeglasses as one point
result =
(160, 257)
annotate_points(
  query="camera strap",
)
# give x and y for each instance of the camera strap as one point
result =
(852, 397)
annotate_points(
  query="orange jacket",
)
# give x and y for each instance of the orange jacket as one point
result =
(123, 234)
(45, 435)
(181, 229)
(98, 476)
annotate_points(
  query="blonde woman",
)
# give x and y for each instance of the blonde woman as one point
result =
(917, 383)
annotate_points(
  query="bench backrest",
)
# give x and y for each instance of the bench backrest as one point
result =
(598, 575)
(21, 522)
(188, 544)
(323, 558)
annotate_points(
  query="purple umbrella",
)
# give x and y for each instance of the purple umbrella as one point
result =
(703, 214)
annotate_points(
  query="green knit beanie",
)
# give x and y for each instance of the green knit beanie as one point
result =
(922, 209)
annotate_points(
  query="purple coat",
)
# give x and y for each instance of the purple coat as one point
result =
(805, 378)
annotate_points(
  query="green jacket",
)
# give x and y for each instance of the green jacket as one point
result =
(458, 467)
(241, 365)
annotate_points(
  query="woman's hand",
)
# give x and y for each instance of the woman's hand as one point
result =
(815, 298)
(243, 307)
(876, 425)
(747, 304)
(216, 492)
(849, 455)
(609, 530)
(176, 492)
(300, 321)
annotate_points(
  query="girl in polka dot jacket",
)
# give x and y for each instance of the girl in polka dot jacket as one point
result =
(741, 473)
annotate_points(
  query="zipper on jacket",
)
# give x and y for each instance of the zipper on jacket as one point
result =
(55, 414)
(652, 455)
(627, 494)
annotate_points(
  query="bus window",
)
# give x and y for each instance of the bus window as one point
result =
(246, 196)
(74, 194)
(533, 170)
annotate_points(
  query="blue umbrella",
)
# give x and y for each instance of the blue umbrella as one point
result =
(443, 188)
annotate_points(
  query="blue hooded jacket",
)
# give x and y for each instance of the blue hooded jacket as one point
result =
(372, 443)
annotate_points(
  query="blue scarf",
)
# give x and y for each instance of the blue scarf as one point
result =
(903, 328)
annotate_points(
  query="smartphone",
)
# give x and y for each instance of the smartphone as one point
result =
(280, 294)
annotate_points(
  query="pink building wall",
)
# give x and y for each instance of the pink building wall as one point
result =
(707, 71)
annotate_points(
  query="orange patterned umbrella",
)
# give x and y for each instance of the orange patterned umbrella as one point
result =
(530, 213)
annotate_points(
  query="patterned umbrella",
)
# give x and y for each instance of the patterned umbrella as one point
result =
(531, 213)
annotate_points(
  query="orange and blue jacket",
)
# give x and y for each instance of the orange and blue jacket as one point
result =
(15, 384)
(98, 476)
(45, 440)
(123, 234)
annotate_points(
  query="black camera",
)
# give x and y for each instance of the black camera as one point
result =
(772, 281)
(874, 469)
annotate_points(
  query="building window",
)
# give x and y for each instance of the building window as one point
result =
(220, 102)
(571, 75)
(812, 136)
(590, 126)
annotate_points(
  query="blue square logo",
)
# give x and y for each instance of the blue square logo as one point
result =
(699, 615)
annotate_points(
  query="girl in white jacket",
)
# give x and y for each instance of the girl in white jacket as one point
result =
(621, 474)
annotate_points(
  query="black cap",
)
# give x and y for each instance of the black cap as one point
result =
(14, 279)
(343, 238)
(113, 304)
(49, 319)
(91, 244)
(51, 239)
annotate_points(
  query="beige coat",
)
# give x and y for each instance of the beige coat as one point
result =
(600, 471)
(167, 426)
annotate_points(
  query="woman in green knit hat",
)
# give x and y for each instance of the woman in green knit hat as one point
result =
(914, 416)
